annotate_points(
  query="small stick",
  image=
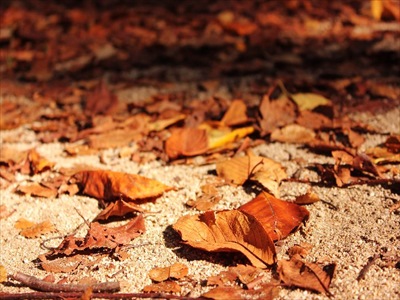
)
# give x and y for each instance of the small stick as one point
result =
(368, 265)
(62, 296)
(40, 285)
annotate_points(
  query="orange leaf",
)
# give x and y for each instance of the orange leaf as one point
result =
(186, 142)
(264, 170)
(306, 275)
(33, 230)
(38, 190)
(279, 218)
(37, 163)
(236, 114)
(228, 231)
(109, 185)
(118, 208)
(176, 271)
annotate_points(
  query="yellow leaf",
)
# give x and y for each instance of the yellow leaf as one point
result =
(377, 9)
(309, 101)
(219, 138)
(3, 274)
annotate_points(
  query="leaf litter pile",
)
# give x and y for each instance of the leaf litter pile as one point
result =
(220, 149)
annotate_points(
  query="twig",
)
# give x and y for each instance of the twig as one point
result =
(40, 285)
(368, 265)
(62, 296)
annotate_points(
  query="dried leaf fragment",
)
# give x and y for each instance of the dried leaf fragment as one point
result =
(309, 101)
(176, 271)
(108, 185)
(309, 276)
(3, 274)
(38, 190)
(267, 291)
(236, 114)
(33, 230)
(225, 231)
(101, 237)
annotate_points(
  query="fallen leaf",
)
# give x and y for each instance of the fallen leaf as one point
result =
(236, 114)
(219, 138)
(4, 213)
(308, 198)
(109, 186)
(3, 274)
(309, 101)
(301, 250)
(176, 271)
(276, 113)
(306, 275)
(162, 287)
(101, 237)
(207, 199)
(118, 208)
(101, 100)
(35, 163)
(228, 231)
(279, 218)
(264, 170)
(186, 142)
(294, 134)
(37, 190)
(33, 230)
(62, 264)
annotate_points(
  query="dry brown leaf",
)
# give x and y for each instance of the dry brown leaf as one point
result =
(276, 113)
(228, 231)
(293, 133)
(118, 208)
(186, 142)
(300, 250)
(236, 114)
(62, 264)
(109, 186)
(33, 230)
(245, 273)
(176, 271)
(279, 218)
(239, 169)
(101, 100)
(37, 190)
(163, 287)
(306, 275)
(209, 198)
(35, 163)
(101, 237)
(313, 120)
(308, 198)
(3, 274)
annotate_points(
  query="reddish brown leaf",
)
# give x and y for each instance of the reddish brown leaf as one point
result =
(228, 231)
(101, 100)
(306, 275)
(118, 208)
(276, 113)
(101, 237)
(108, 185)
(186, 142)
(279, 218)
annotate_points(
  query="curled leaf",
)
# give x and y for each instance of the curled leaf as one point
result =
(228, 231)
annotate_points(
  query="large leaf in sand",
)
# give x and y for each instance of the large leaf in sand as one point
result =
(228, 231)
(279, 218)
(108, 185)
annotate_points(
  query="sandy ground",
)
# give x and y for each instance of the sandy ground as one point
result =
(356, 226)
